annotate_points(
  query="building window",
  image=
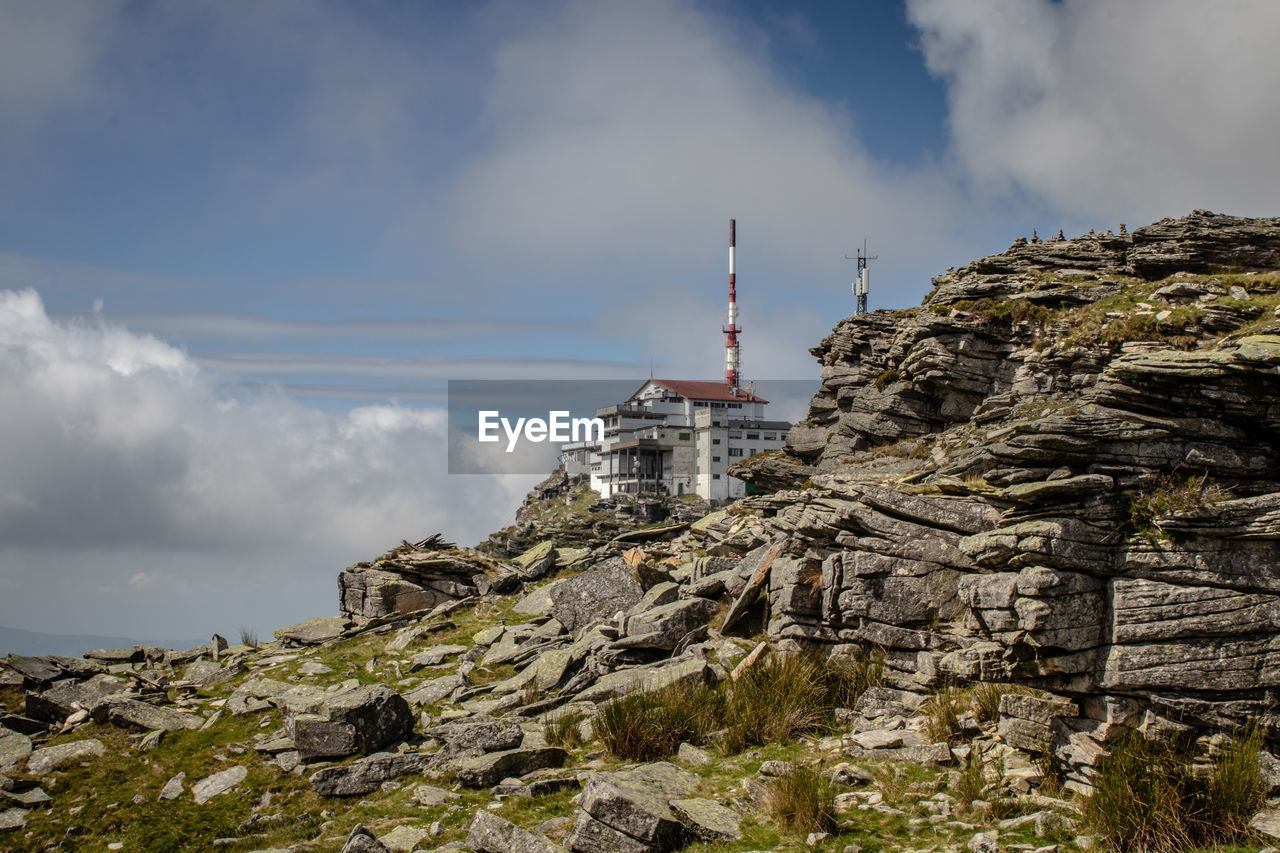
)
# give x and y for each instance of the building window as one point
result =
(684, 436)
(768, 436)
(715, 441)
(697, 470)
(753, 436)
(735, 451)
(735, 435)
(715, 476)
(715, 458)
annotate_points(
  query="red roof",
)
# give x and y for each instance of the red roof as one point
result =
(707, 391)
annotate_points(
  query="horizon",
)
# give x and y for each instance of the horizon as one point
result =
(243, 248)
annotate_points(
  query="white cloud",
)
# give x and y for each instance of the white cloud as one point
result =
(1139, 109)
(137, 499)
(629, 133)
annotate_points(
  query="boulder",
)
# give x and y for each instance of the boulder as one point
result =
(143, 716)
(14, 749)
(665, 626)
(480, 733)
(636, 802)
(485, 771)
(492, 834)
(218, 783)
(366, 774)
(360, 719)
(361, 840)
(595, 595)
(313, 632)
(593, 836)
(707, 819)
(49, 758)
(34, 670)
(1026, 721)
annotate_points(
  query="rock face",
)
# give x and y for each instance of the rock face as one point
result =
(1060, 470)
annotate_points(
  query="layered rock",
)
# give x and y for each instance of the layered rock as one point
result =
(1062, 469)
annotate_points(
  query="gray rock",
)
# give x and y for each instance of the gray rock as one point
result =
(366, 774)
(480, 733)
(46, 759)
(485, 771)
(173, 788)
(985, 842)
(35, 670)
(1267, 823)
(491, 834)
(436, 655)
(592, 836)
(1025, 721)
(313, 632)
(692, 756)
(360, 719)
(129, 655)
(636, 802)
(143, 716)
(14, 818)
(664, 626)
(595, 595)
(435, 690)
(707, 819)
(14, 749)
(361, 840)
(404, 838)
(429, 795)
(218, 783)
(643, 679)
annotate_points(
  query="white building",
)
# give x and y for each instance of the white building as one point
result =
(676, 437)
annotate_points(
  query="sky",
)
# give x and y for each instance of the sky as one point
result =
(244, 246)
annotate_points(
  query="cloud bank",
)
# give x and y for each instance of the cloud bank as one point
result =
(1141, 109)
(136, 494)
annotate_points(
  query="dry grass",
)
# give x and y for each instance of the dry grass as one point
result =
(803, 800)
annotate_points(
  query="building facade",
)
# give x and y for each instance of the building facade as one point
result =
(677, 437)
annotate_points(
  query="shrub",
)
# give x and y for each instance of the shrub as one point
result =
(1148, 796)
(645, 726)
(803, 800)
(1168, 495)
(249, 637)
(783, 697)
(774, 701)
(887, 378)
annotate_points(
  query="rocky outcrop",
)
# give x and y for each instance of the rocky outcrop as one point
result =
(1061, 470)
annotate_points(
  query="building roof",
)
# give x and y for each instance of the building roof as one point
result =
(706, 391)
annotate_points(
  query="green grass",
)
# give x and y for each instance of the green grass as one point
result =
(942, 715)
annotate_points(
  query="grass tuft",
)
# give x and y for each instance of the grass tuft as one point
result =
(942, 716)
(564, 731)
(777, 700)
(803, 800)
(1148, 796)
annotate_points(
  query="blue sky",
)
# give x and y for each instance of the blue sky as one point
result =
(244, 245)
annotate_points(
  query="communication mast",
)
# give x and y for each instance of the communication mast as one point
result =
(862, 283)
(732, 376)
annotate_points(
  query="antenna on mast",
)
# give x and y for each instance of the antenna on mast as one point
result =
(862, 283)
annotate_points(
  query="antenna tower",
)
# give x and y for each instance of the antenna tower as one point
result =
(862, 283)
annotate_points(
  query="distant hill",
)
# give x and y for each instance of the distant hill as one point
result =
(15, 641)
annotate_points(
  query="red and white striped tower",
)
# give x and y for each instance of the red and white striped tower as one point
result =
(732, 330)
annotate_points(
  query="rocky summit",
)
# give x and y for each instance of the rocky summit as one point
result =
(1024, 527)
